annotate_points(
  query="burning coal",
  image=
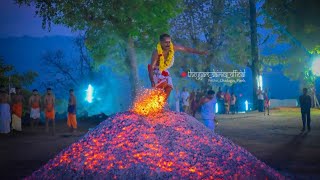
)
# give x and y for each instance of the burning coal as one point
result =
(149, 102)
(167, 145)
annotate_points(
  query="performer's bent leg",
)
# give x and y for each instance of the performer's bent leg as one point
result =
(166, 88)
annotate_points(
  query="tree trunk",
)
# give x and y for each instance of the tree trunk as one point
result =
(134, 78)
(254, 51)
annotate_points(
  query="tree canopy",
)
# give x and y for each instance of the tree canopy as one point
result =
(221, 26)
(8, 75)
(108, 23)
(299, 18)
(296, 23)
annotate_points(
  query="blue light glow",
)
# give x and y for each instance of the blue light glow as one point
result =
(216, 108)
(89, 96)
(247, 105)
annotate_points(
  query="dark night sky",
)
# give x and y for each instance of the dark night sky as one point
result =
(20, 21)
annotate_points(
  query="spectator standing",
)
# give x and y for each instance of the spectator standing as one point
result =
(185, 100)
(34, 104)
(227, 99)
(233, 103)
(266, 102)
(260, 99)
(207, 104)
(305, 105)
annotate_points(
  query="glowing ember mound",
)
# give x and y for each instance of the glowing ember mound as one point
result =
(149, 102)
(171, 146)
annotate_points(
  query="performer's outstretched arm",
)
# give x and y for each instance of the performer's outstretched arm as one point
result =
(189, 50)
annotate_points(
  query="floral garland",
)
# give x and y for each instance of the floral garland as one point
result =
(163, 65)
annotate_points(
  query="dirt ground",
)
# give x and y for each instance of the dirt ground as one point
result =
(275, 139)
(21, 153)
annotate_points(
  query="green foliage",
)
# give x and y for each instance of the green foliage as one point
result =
(23, 79)
(296, 23)
(9, 75)
(221, 27)
(109, 24)
(113, 29)
(4, 70)
(315, 50)
(298, 18)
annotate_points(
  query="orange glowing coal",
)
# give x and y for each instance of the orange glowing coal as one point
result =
(167, 145)
(149, 102)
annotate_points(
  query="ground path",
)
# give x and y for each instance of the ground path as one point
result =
(277, 139)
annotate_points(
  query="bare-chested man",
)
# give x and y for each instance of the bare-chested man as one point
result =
(17, 106)
(72, 119)
(162, 59)
(49, 102)
(5, 118)
(34, 104)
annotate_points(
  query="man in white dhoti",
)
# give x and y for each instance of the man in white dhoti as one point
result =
(162, 59)
(34, 104)
(5, 118)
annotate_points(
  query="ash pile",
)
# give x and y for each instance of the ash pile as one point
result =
(168, 145)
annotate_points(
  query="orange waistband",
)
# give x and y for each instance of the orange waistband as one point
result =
(35, 105)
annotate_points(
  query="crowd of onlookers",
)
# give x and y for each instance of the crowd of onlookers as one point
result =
(208, 103)
(12, 106)
(227, 103)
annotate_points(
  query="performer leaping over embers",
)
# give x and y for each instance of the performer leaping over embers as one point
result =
(162, 59)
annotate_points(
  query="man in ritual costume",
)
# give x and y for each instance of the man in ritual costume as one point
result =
(162, 59)
(34, 104)
(72, 119)
(5, 118)
(49, 102)
(17, 106)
